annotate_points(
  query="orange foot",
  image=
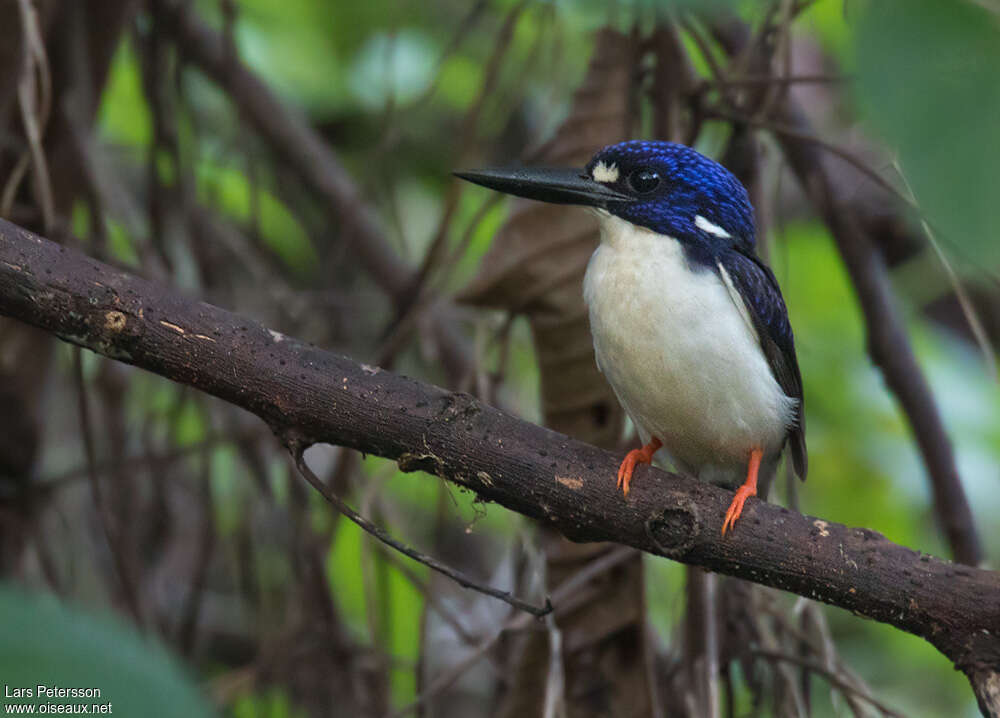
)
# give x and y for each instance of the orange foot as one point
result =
(636, 456)
(748, 489)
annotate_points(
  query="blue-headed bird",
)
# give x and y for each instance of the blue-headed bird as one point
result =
(689, 325)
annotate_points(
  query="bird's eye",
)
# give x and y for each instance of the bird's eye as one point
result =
(644, 180)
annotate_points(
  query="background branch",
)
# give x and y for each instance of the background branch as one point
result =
(888, 342)
(302, 149)
(890, 347)
(297, 449)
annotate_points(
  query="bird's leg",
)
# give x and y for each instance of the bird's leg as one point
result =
(636, 456)
(748, 489)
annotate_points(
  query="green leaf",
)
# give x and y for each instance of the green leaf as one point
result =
(124, 115)
(927, 84)
(229, 189)
(45, 642)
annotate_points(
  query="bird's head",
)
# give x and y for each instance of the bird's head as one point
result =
(663, 186)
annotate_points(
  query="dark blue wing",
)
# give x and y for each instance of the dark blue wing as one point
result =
(759, 290)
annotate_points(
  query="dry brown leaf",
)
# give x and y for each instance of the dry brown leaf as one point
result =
(535, 267)
(536, 264)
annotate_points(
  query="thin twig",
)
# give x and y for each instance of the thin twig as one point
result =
(121, 564)
(826, 649)
(799, 134)
(401, 330)
(423, 587)
(187, 629)
(830, 677)
(964, 300)
(383, 536)
(771, 80)
(555, 682)
(411, 303)
(35, 100)
(774, 91)
(566, 598)
(303, 150)
(131, 463)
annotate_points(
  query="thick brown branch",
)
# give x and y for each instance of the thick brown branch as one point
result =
(309, 395)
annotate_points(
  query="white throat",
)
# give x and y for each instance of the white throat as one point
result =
(618, 232)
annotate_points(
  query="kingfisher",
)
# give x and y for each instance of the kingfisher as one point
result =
(688, 322)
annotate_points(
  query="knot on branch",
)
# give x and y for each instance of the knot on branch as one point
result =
(674, 529)
(115, 327)
(292, 438)
(459, 405)
(114, 321)
(429, 463)
(107, 327)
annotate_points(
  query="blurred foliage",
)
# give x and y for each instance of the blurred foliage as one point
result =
(388, 84)
(125, 116)
(45, 642)
(927, 82)
(272, 703)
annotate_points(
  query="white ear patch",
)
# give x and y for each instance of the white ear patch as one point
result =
(710, 227)
(605, 173)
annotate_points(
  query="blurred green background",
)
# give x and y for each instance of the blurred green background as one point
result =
(389, 86)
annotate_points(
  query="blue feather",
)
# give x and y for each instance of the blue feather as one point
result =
(693, 185)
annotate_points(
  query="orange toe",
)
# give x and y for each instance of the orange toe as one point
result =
(748, 489)
(634, 458)
(736, 507)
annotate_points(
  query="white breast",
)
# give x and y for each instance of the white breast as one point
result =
(680, 353)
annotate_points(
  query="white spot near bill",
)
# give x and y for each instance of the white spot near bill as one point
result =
(710, 227)
(605, 173)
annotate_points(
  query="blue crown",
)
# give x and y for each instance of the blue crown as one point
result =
(690, 185)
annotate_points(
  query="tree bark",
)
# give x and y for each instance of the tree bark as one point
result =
(309, 395)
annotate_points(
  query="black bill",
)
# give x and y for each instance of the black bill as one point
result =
(559, 186)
